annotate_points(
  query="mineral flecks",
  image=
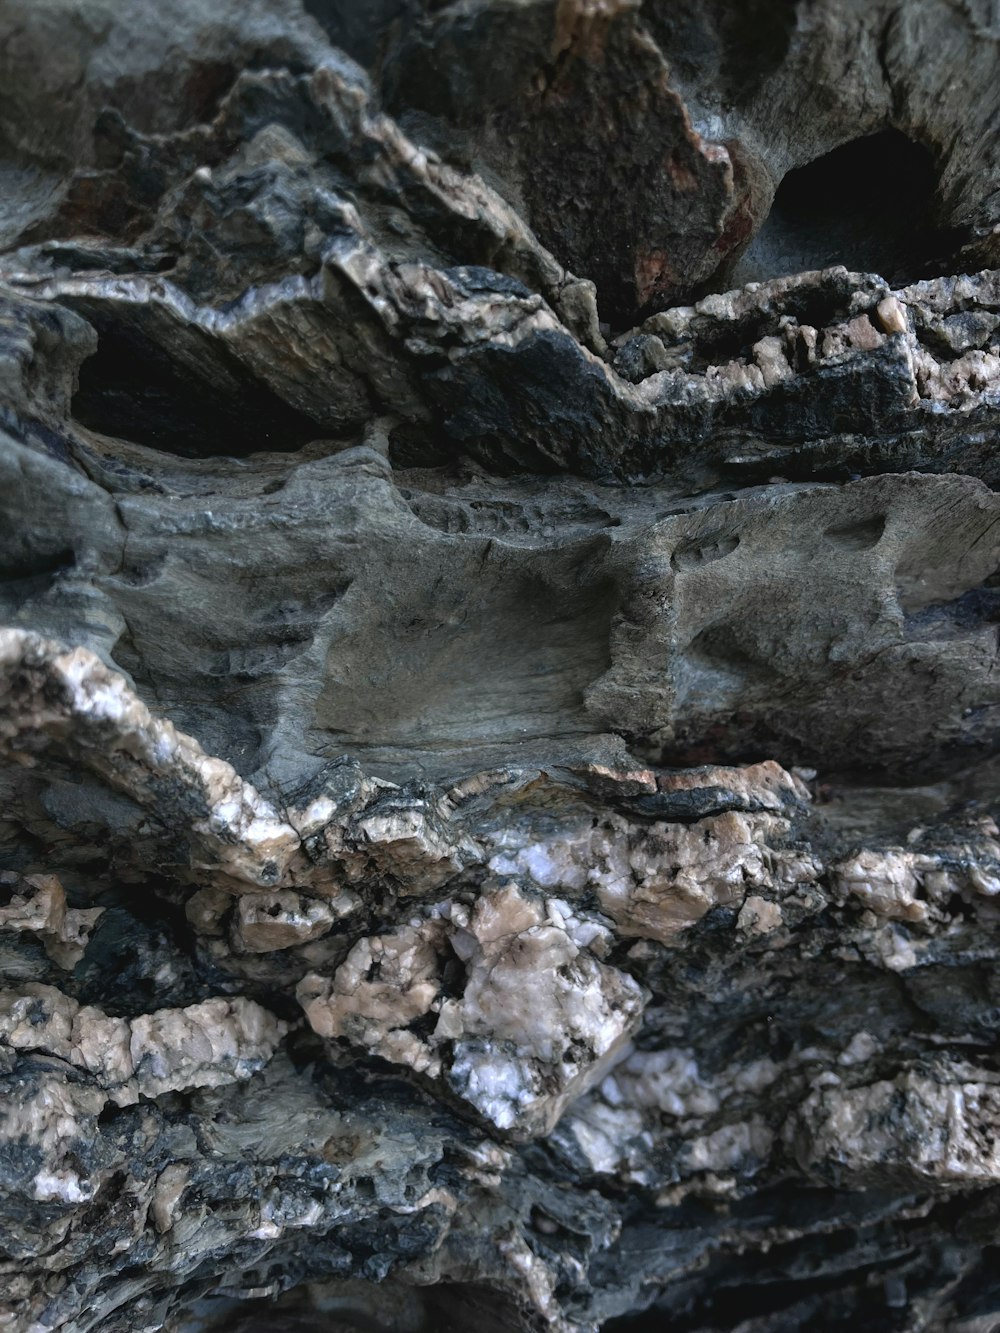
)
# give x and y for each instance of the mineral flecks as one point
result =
(498, 665)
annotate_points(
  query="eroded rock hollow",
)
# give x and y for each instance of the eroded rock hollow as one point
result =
(498, 681)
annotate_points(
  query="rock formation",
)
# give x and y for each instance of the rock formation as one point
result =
(499, 759)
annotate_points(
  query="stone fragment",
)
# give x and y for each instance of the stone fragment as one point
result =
(204, 1045)
(940, 1125)
(264, 922)
(37, 904)
(656, 880)
(533, 1022)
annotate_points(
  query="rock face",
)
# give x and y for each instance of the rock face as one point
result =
(499, 587)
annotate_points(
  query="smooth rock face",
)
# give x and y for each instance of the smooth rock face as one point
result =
(499, 557)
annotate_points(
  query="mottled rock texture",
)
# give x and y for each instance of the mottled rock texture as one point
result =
(499, 603)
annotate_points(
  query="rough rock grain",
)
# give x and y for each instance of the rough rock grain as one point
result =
(499, 555)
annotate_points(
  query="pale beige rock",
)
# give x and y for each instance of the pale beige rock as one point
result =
(385, 983)
(102, 1044)
(204, 1045)
(216, 1042)
(656, 881)
(263, 922)
(603, 1133)
(942, 1125)
(678, 874)
(37, 1017)
(407, 843)
(759, 916)
(38, 905)
(207, 908)
(769, 354)
(744, 1146)
(536, 1021)
(889, 883)
(907, 884)
(891, 315)
(892, 947)
(540, 1020)
(656, 1095)
(666, 1080)
(167, 1193)
(55, 1115)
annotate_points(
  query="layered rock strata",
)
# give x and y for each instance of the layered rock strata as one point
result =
(499, 590)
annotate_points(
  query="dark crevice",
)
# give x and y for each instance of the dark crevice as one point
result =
(140, 957)
(132, 390)
(359, 29)
(870, 205)
(30, 578)
(752, 39)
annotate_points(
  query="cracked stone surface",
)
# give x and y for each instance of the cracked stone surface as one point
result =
(499, 601)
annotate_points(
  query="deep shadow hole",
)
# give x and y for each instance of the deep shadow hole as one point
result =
(133, 390)
(870, 205)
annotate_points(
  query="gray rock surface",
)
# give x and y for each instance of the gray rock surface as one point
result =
(499, 553)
